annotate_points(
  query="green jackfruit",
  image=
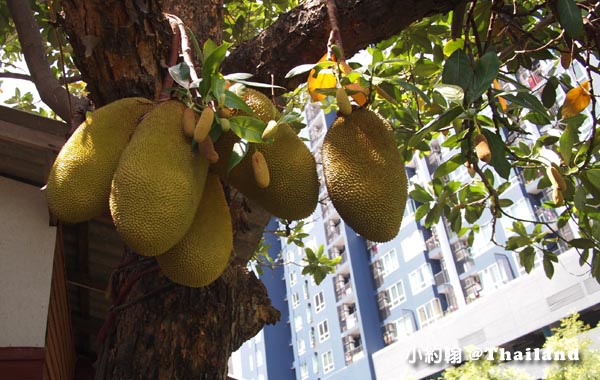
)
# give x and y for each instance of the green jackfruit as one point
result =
(293, 189)
(261, 105)
(158, 183)
(365, 175)
(79, 181)
(203, 254)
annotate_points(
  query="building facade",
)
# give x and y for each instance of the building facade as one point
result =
(428, 287)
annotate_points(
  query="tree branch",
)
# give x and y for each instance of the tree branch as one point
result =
(11, 75)
(300, 35)
(49, 88)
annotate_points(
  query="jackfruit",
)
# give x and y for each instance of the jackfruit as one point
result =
(261, 105)
(79, 181)
(158, 183)
(365, 175)
(482, 148)
(203, 254)
(293, 189)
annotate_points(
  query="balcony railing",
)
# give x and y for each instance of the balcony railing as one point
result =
(349, 322)
(354, 354)
(342, 291)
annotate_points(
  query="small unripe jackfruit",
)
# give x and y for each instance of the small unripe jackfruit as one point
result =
(557, 196)
(204, 124)
(556, 178)
(365, 175)
(260, 169)
(482, 148)
(158, 183)
(203, 253)
(79, 181)
(343, 102)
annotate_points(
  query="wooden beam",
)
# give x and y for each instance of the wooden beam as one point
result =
(24, 136)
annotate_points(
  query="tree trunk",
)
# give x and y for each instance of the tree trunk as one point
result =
(158, 330)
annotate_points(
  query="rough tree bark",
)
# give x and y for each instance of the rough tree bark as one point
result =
(162, 331)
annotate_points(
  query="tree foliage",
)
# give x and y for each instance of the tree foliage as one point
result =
(445, 80)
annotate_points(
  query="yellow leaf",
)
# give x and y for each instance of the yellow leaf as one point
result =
(576, 100)
(500, 99)
(324, 79)
(565, 59)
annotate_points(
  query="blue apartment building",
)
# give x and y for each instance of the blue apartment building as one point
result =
(425, 287)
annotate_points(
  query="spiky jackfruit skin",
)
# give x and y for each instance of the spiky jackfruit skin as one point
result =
(365, 175)
(203, 253)
(158, 183)
(261, 105)
(293, 190)
(79, 181)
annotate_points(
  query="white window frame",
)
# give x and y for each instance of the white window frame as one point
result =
(432, 311)
(396, 300)
(389, 262)
(323, 329)
(304, 371)
(492, 278)
(301, 346)
(327, 361)
(319, 301)
(298, 322)
(421, 278)
(295, 300)
(413, 245)
(404, 322)
(483, 239)
(293, 278)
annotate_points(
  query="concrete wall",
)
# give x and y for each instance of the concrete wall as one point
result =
(524, 305)
(26, 254)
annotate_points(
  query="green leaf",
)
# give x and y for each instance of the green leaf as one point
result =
(237, 76)
(548, 95)
(458, 71)
(569, 17)
(529, 101)
(527, 258)
(582, 243)
(548, 266)
(449, 166)
(453, 45)
(411, 87)
(442, 121)
(181, 74)
(593, 175)
(248, 128)
(486, 70)
(451, 92)
(238, 152)
(421, 195)
(259, 84)
(567, 140)
(235, 102)
(498, 149)
(301, 69)
(422, 211)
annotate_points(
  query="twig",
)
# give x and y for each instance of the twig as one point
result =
(186, 49)
(173, 57)
(335, 36)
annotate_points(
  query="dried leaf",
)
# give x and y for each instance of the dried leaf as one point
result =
(577, 100)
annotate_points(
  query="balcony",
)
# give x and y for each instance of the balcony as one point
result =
(332, 231)
(442, 282)
(433, 247)
(462, 251)
(342, 289)
(349, 322)
(377, 272)
(354, 354)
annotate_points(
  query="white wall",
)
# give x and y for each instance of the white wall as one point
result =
(524, 305)
(26, 254)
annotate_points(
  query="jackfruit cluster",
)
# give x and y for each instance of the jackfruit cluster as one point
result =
(364, 174)
(132, 157)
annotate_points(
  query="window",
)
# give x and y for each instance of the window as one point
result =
(305, 290)
(413, 245)
(301, 346)
(251, 362)
(293, 278)
(319, 301)
(492, 278)
(420, 278)
(312, 337)
(429, 312)
(298, 322)
(259, 358)
(323, 330)
(518, 209)
(315, 363)
(396, 294)
(309, 317)
(389, 262)
(303, 371)
(327, 361)
(404, 326)
(295, 300)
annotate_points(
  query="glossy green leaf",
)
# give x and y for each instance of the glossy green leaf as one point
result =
(458, 70)
(248, 128)
(486, 70)
(498, 149)
(239, 151)
(569, 16)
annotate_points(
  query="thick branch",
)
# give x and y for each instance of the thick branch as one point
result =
(49, 88)
(300, 36)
